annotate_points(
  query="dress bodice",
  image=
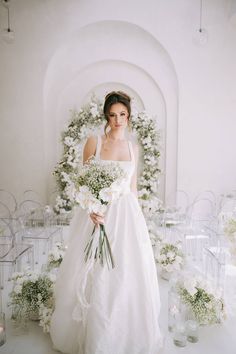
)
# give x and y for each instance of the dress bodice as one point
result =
(127, 165)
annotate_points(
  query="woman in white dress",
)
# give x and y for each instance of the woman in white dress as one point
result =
(101, 310)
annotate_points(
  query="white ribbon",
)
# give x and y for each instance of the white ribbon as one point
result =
(80, 311)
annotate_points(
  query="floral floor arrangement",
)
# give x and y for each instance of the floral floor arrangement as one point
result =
(206, 303)
(230, 232)
(32, 293)
(169, 258)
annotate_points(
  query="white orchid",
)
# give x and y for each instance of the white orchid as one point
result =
(94, 206)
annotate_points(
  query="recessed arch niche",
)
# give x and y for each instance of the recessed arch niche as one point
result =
(109, 55)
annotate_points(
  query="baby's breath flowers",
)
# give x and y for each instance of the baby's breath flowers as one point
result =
(230, 232)
(206, 303)
(30, 291)
(230, 229)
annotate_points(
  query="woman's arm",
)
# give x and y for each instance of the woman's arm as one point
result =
(89, 151)
(89, 148)
(134, 177)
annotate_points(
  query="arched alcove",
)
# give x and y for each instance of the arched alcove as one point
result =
(113, 55)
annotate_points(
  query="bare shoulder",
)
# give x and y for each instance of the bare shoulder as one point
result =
(92, 140)
(90, 147)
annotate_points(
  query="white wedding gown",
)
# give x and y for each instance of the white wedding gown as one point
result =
(109, 311)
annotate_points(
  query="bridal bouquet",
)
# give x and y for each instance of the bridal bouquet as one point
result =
(206, 304)
(97, 185)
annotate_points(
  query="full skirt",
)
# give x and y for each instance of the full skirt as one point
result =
(108, 311)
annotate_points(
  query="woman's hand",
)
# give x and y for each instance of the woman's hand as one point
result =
(97, 218)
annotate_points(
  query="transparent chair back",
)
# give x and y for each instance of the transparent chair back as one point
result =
(5, 212)
(8, 199)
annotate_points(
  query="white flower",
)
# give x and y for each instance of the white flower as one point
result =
(94, 110)
(70, 191)
(162, 257)
(190, 285)
(106, 195)
(66, 177)
(20, 280)
(52, 277)
(170, 254)
(69, 141)
(112, 193)
(84, 197)
(34, 277)
(17, 289)
(48, 209)
(95, 206)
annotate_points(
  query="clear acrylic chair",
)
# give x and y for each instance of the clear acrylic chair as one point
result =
(39, 228)
(5, 212)
(193, 246)
(214, 266)
(175, 210)
(182, 201)
(30, 194)
(8, 199)
(207, 194)
(13, 255)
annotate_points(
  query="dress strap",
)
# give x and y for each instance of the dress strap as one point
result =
(98, 148)
(131, 151)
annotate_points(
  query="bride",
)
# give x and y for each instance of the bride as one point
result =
(102, 311)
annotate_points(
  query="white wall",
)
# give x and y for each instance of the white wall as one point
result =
(193, 84)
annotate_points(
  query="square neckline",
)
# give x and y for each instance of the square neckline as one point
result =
(99, 144)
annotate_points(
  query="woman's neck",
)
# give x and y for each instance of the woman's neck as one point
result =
(116, 135)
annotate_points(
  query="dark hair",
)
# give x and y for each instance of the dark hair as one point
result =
(113, 98)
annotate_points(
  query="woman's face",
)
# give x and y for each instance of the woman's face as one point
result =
(118, 116)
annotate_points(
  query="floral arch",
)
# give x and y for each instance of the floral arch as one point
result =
(89, 119)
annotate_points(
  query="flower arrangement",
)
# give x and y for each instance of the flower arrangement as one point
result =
(169, 257)
(90, 118)
(30, 291)
(45, 314)
(230, 232)
(55, 256)
(97, 185)
(230, 229)
(206, 304)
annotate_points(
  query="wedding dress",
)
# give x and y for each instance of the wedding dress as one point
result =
(109, 311)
